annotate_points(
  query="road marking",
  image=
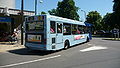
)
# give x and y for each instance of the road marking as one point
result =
(10, 65)
(89, 44)
(93, 48)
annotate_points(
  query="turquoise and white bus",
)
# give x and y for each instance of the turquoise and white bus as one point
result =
(46, 32)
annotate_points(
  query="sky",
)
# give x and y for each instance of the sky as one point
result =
(102, 6)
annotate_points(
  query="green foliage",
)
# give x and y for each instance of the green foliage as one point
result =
(95, 18)
(116, 5)
(53, 12)
(107, 21)
(116, 20)
(43, 12)
(116, 13)
(66, 9)
(112, 20)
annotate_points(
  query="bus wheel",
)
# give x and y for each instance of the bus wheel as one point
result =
(66, 44)
(87, 39)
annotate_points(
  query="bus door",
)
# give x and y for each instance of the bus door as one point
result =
(56, 35)
(59, 34)
(53, 34)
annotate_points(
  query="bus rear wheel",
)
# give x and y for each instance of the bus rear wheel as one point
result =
(66, 44)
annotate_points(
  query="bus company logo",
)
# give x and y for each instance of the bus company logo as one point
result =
(77, 37)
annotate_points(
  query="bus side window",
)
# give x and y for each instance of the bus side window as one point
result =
(74, 29)
(80, 29)
(85, 29)
(66, 29)
(59, 28)
(52, 27)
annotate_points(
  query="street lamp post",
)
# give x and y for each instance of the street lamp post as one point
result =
(36, 6)
(22, 18)
(84, 14)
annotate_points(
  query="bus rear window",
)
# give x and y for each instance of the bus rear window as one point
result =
(33, 26)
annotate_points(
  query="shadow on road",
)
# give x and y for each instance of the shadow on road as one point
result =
(25, 51)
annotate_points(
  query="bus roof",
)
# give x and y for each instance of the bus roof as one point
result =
(56, 18)
(61, 19)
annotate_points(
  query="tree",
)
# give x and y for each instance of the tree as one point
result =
(116, 13)
(107, 21)
(43, 12)
(53, 12)
(111, 20)
(66, 9)
(116, 6)
(94, 18)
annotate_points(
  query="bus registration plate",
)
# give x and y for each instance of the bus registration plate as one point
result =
(34, 38)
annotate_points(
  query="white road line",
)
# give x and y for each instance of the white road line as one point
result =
(89, 44)
(10, 65)
(93, 48)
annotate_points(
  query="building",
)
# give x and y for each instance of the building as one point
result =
(7, 3)
(10, 18)
(15, 11)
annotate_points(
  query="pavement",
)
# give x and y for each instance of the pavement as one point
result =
(6, 46)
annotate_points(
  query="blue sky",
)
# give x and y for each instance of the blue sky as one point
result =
(102, 6)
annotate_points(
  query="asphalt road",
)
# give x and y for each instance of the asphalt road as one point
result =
(97, 53)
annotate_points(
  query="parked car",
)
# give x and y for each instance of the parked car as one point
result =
(100, 32)
(108, 34)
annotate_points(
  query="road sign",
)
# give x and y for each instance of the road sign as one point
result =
(115, 31)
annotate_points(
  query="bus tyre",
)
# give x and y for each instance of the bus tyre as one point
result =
(66, 45)
(87, 39)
